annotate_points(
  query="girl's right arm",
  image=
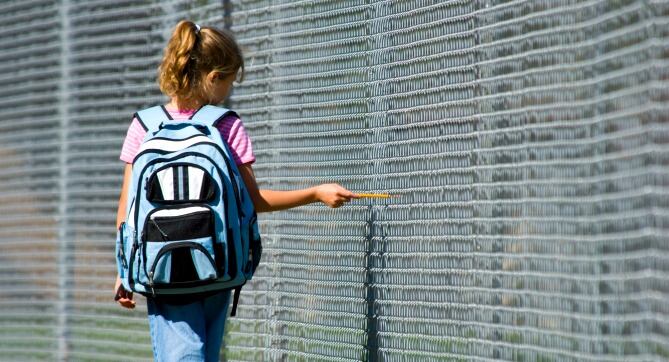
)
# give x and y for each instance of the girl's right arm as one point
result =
(123, 297)
(332, 195)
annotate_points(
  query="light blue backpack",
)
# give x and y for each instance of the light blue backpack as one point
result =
(190, 224)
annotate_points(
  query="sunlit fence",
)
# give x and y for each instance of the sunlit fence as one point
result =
(527, 143)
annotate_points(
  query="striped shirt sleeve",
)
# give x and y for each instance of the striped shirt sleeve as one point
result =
(233, 132)
(133, 140)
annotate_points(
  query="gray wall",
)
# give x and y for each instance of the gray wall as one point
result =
(527, 141)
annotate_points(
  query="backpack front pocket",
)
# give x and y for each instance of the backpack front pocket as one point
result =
(183, 223)
(181, 262)
(180, 247)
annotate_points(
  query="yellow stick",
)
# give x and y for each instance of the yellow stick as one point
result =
(376, 196)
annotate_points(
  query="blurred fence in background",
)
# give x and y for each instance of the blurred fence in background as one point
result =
(528, 141)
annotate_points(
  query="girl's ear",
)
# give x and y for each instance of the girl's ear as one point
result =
(212, 76)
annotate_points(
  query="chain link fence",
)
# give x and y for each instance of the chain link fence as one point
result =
(526, 141)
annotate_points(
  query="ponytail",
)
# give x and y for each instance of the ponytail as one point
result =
(191, 53)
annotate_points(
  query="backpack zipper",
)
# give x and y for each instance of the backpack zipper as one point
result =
(153, 291)
(133, 251)
(162, 233)
(121, 251)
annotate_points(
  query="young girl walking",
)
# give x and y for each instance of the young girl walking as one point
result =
(198, 68)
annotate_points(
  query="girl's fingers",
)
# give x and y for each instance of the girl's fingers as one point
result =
(341, 201)
(334, 195)
(127, 303)
(123, 297)
(348, 195)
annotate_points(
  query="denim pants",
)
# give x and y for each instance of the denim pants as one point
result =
(190, 332)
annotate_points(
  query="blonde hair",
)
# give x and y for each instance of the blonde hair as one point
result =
(191, 54)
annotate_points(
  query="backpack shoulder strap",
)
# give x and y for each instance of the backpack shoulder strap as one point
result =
(152, 118)
(210, 115)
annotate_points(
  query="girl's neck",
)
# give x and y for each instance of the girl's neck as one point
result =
(184, 105)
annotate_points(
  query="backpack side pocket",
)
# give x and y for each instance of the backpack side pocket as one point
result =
(121, 243)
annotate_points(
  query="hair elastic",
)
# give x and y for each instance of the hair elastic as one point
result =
(197, 29)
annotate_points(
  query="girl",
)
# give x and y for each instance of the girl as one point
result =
(198, 68)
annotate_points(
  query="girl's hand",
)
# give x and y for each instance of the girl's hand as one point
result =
(334, 195)
(122, 296)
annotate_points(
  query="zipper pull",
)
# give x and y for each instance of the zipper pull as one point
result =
(123, 262)
(153, 292)
(165, 238)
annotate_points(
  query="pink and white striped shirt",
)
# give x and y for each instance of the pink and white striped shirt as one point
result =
(231, 128)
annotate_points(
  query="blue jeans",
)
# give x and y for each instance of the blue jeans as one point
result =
(190, 332)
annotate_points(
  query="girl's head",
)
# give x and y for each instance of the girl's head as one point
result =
(199, 65)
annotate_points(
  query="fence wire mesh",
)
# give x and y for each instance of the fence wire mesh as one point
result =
(526, 141)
